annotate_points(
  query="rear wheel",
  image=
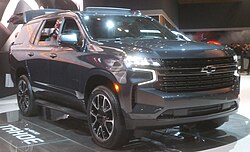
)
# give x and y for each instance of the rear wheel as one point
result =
(25, 97)
(105, 120)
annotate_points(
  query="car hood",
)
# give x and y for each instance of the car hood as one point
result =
(168, 49)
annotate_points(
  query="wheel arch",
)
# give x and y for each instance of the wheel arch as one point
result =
(96, 78)
(20, 71)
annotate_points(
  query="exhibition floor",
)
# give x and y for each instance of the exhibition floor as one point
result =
(22, 134)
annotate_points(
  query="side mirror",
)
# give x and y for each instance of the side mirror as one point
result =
(68, 39)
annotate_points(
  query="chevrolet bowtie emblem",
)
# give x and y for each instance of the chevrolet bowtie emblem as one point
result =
(208, 69)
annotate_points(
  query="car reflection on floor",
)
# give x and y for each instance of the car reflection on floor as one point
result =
(72, 135)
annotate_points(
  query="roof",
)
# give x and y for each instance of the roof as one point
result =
(110, 11)
(25, 17)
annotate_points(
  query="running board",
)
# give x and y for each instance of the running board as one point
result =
(66, 110)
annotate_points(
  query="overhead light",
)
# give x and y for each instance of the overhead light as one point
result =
(110, 24)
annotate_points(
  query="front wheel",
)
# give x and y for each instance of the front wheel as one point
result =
(105, 120)
(25, 97)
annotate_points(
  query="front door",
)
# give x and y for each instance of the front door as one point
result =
(66, 68)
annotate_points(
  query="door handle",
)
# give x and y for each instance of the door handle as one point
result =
(53, 55)
(31, 54)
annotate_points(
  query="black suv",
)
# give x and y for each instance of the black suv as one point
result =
(121, 71)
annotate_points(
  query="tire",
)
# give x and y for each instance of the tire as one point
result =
(105, 120)
(25, 97)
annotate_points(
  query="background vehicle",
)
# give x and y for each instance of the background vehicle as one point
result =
(121, 71)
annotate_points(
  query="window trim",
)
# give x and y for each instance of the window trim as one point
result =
(38, 36)
(82, 33)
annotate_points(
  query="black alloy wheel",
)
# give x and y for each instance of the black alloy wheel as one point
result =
(25, 97)
(105, 120)
(102, 117)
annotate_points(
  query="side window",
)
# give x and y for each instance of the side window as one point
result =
(49, 32)
(70, 27)
(28, 30)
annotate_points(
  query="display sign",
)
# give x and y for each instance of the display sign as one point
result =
(26, 135)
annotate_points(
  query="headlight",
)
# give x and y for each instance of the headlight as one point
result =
(146, 76)
(135, 61)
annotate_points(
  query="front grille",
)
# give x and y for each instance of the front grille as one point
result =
(185, 75)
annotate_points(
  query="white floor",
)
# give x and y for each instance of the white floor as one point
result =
(241, 145)
(245, 96)
(8, 104)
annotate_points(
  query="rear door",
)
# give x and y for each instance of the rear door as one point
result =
(40, 55)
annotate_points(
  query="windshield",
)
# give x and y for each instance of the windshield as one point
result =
(123, 27)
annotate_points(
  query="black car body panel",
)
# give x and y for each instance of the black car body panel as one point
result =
(204, 78)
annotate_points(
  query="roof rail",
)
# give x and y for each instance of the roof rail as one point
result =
(110, 10)
(25, 17)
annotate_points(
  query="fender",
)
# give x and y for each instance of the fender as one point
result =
(98, 72)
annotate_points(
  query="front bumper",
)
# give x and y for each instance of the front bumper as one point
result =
(154, 108)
